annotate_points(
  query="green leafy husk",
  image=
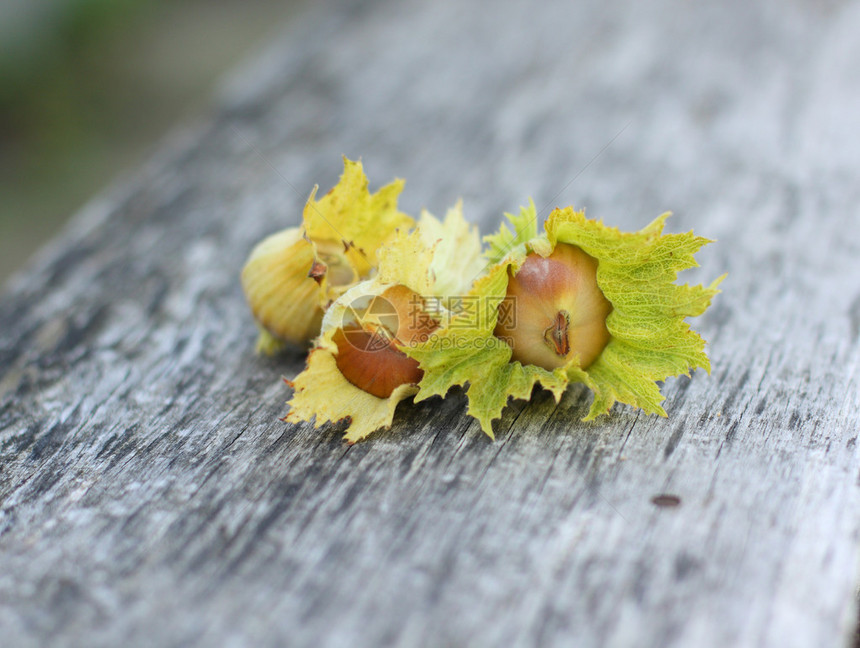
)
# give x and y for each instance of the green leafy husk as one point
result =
(650, 339)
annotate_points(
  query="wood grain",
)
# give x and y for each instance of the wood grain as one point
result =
(151, 496)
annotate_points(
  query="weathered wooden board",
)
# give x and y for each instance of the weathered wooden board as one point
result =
(151, 496)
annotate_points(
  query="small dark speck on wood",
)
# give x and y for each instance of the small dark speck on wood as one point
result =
(666, 500)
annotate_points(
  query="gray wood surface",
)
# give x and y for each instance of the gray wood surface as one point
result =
(151, 496)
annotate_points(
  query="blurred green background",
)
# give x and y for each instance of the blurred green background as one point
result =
(88, 87)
